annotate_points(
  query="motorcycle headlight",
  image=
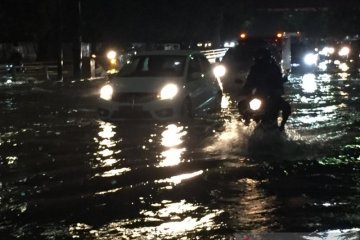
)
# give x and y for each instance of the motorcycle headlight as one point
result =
(255, 104)
(219, 71)
(169, 91)
(106, 92)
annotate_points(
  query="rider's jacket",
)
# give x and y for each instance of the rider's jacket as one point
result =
(265, 76)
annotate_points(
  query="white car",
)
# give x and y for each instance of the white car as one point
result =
(161, 85)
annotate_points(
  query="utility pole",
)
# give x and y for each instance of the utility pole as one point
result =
(77, 55)
(60, 55)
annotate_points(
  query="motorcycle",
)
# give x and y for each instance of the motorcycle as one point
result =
(262, 109)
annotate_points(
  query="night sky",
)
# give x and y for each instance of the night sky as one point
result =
(127, 21)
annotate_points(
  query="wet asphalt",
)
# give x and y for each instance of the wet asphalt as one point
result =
(65, 173)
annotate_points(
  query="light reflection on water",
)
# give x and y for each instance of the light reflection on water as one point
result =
(178, 179)
(309, 83)
(115, 172)
(254, 207)
(172, 138)
(225, 101)
(173, 180)
(170, 220)
(321, 101)
(171, 157)
(106, 144)
(166, 230)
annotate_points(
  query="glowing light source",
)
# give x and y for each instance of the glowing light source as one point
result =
(106, 92)
(255, 104)
(229, 44)
(310, 59)
(243, 35)
(344, 51)
(219, 71)
(169, 91)
(111, 54)
(326, 51)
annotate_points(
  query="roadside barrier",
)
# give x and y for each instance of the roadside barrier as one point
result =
(214, 54)
(48, 70)
(35, 70)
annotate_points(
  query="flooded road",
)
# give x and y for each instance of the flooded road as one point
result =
(66, 174)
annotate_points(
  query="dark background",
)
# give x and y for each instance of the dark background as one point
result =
(126, 21)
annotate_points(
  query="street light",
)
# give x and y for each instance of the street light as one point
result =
(111, 56)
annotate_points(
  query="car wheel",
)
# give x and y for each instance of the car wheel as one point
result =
(186, 109)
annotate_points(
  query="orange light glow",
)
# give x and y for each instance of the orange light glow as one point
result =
(243, 35)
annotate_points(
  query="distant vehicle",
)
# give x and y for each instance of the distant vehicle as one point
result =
(238, 60)
(340, 57)
(161, 85)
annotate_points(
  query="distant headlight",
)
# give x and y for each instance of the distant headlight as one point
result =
(327, 51)
(106, 92)
(310, 59)
(255, 104)
(169, 91)
(344, 51)
(219, 71)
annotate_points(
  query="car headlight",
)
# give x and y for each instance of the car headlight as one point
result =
(106, 92)
(219, 71)
(255, 104)
(169, 91)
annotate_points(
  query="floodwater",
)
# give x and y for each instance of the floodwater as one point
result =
(65, 174)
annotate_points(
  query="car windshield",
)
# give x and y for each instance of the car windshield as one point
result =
(154, 66)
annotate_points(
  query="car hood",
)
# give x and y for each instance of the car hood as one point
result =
(144, 84)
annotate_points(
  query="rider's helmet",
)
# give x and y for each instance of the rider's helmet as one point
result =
(262, 54)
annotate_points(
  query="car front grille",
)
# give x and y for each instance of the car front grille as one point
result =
(127, 112)
(134, 98)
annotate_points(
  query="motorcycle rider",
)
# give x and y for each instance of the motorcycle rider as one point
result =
(265, 78)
